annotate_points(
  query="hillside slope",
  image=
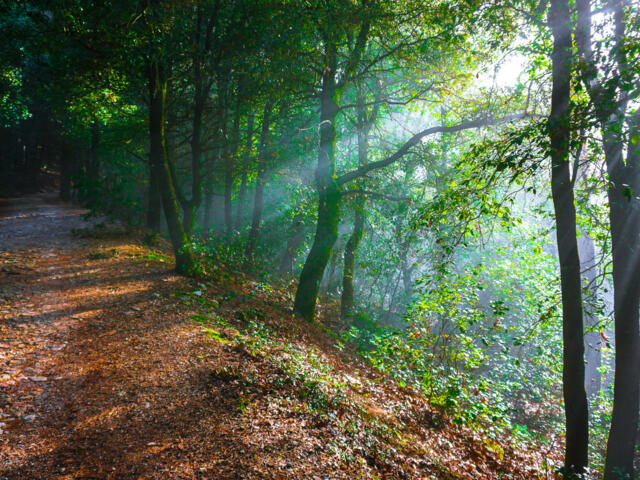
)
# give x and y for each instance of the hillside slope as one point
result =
(116, 368)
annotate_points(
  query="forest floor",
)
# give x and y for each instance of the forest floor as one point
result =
(113, 367)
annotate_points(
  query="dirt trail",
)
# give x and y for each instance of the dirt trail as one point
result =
(38, 221)
(85, 391)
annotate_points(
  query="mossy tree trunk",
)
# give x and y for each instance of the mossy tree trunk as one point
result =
(327, 184)
(329, 195)
(185, 261)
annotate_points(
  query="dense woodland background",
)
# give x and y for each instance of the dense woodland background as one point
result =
(457, 180)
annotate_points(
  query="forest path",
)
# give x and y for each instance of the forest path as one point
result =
(94, 357)
(105, 374)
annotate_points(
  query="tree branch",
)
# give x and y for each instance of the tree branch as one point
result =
(377, 195)
(356, 53)
(404, 149)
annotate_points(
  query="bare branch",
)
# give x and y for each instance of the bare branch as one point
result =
(377, 195)
(404, 149)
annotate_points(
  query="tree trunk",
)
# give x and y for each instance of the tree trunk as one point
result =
(212, 218)
(200, 95)
(329, 194)
(329, 197)
(66, 169)
(208, 201)
(592, 339)
(190, 208)
(346, 301)
(227, 150)
(154, 202)
(231, 155)
(364, 123)
(242, 194)
(258, 200)
(185, 261)
(575, 397)
(263, 157)
(314, 267)
(624, 216)
(610, 104)
(296, 237)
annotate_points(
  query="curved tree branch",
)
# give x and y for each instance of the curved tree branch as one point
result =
(404, 149)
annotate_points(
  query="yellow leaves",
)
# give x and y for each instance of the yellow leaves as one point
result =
(215, 334)
(494, 447)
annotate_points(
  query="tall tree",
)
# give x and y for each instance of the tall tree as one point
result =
(158, 81)
(336, 75)
(364, 121)
(203, 29)
(242, 192)
(609, 91)
(575, 397)
(264, 155)
(345, 31)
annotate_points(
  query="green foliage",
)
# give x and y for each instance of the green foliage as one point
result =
(483, 345)
(215, 334)
(117, 197)
(12, 104)
(319, 388)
